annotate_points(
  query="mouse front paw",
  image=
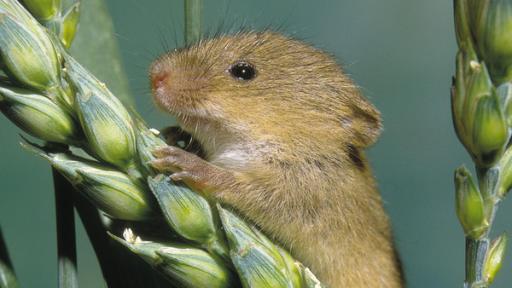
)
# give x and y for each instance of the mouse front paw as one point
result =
(189, 168)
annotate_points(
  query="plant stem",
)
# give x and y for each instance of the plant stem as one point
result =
(193, 20)
(476, 249)
(7, 276)
(475, 258)
(66, 242)
(4, 254)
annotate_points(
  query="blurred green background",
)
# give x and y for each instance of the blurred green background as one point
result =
(401, 52)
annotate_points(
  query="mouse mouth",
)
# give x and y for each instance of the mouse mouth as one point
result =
(178, 91)
(180, 105)
(189, 113)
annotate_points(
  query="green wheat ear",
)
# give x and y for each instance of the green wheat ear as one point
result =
(52, 97)
(482, 113)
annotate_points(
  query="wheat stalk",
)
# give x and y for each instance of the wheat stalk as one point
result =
(482, 117)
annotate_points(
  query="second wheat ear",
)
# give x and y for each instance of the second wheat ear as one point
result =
(481, 109)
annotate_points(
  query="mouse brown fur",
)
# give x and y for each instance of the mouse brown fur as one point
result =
(283, 147)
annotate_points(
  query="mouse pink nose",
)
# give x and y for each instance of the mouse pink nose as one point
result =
(159, 79)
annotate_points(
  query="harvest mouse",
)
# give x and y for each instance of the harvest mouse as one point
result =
(282, 129)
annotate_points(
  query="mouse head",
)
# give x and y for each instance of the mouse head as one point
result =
(262, 85)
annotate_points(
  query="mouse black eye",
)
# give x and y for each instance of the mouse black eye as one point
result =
(242, 71)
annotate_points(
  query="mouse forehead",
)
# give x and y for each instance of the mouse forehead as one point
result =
(262, 47)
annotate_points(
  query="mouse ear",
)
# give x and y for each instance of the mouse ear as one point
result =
(366, 123)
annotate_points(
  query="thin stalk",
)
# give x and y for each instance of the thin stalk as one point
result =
(66, 242)
(7, 276)
(476, 249)
(193, 20)
(4, 254)
(98, 237)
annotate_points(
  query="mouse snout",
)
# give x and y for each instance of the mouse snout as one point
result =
(172, 85)
(176, 83)
(158, 80)
(161, 84)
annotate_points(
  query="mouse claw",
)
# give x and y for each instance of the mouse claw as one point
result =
(174, 159)
(164, 151)
(191, 169)
(163, 165)
(197, 178)
(185, 176)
